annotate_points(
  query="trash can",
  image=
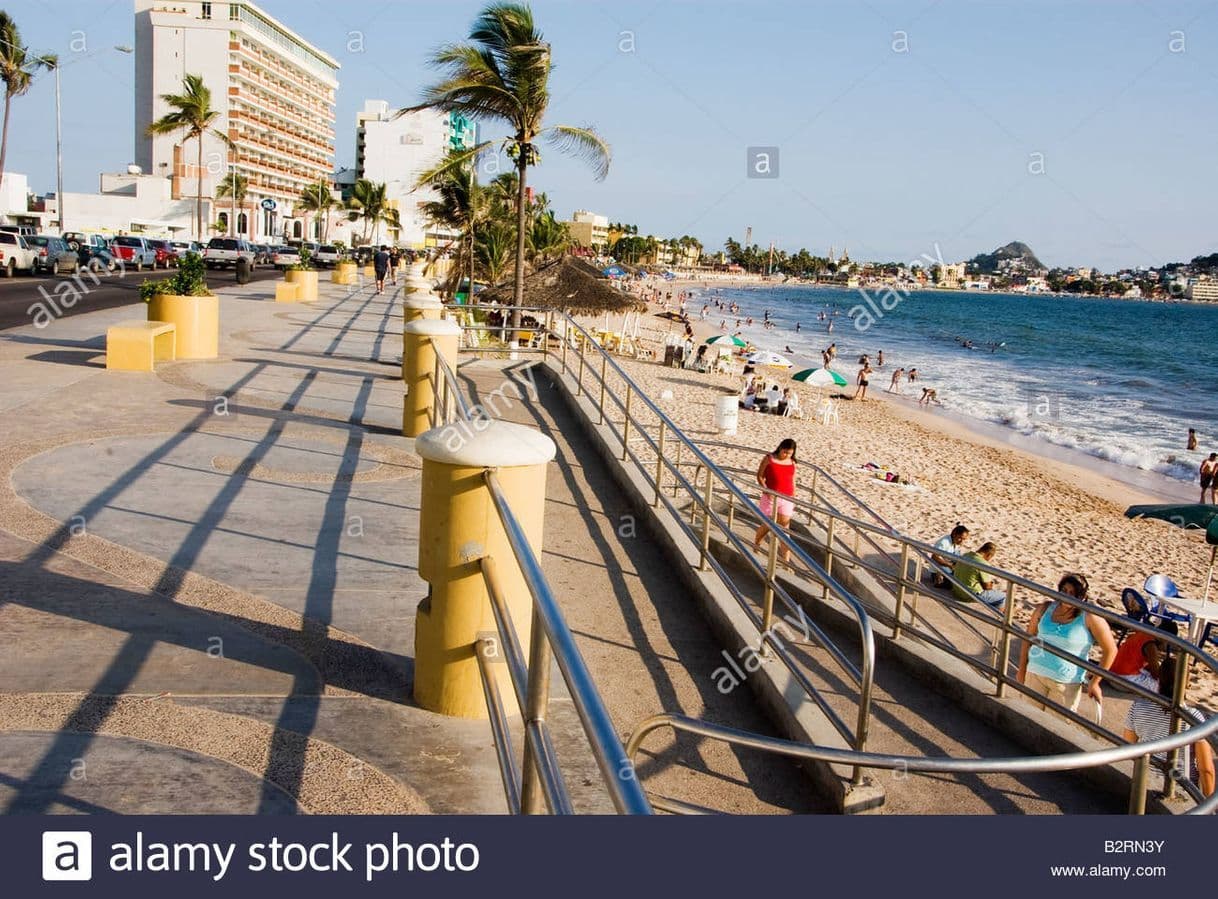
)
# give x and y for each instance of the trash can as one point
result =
(243, 271)
(727, 414)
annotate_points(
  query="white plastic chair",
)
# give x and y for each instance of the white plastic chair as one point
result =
(827, 413)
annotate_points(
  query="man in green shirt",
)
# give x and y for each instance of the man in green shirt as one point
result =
(979, 585)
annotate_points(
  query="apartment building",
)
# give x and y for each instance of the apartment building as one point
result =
(275, 93)
(396, 150)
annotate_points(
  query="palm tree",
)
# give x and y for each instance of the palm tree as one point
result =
(234, 185)
(17, 70)
(318, 200)
(368, 203)
(192, 112)
(462, 206)
(502, 75)
(548, 237)
(493, 249)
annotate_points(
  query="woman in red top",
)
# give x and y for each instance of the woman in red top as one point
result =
(777, 473)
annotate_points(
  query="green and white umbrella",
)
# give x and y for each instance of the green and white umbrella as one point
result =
(1196, 515)
(819, 377)
(726, 338)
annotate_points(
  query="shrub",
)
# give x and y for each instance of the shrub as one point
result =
(190, 281)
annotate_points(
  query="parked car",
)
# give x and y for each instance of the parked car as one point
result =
(15, 255)
(166, 255)
(327, 255)
(92, 251)
(285, 256)
(23, 230)
(186, 246)
(52, 254)
(133, 251)
(222, 252)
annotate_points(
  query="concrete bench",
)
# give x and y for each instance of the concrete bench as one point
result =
(287, 293)
(137, 345)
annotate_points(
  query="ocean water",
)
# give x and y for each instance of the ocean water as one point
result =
(1119, 380)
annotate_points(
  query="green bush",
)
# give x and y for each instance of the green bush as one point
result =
(190, 281)
(306, 261)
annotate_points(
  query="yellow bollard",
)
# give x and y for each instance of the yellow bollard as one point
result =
(421, 341)
(458, 526)
(421, 305)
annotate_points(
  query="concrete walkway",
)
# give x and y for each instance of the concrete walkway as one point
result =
(207, 576)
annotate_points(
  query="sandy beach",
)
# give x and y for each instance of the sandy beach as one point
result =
(1047, 516)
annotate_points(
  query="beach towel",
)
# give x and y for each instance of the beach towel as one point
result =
(881, 474)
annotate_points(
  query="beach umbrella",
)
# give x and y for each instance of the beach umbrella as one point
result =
(770, 359)
(819, 377)
(1192, 516)
(725, 338)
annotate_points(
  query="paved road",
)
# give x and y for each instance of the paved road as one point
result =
(20, 296)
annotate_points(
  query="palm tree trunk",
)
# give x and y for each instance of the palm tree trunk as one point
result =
(522, 167)
(199, 194)
(8, 100)
(469, 295)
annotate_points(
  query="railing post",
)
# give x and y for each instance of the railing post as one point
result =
(1137, 785)
(706, 519)
(422, 341)
(579, 380)
(693, 505)
(677, 465)
(828, 554)
(626, 425)
(600, 407)
(1179, 688)
(545, 337)
(659, 465)
(896, 628)
(532, 797)
(767, 602)
(566, 338)
(1004, 642)
(731, 509)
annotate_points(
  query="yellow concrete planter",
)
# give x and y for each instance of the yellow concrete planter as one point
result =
(287, 293)
(307, 282)
(344, 273)
(196, 320)
(369, 271)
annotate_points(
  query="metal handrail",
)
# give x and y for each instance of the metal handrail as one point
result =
(1004, 625)
(872, 531)
(541, 777)
(863, 676)
(1015, 765)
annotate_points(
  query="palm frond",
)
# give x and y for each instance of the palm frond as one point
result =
(450, 163)
(582, 143)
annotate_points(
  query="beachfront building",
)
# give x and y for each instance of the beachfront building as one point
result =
(587, 229)
(396, 150)
(951, 275)
(1202, 290)
(275, 93)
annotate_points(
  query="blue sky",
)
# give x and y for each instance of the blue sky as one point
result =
(888, 145)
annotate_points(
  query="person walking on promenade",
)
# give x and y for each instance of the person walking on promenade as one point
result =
(395, 259)
(1209, 475)
(1073, 631)
(380, 267)
(777, 473)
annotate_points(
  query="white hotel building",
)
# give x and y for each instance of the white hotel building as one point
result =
(275, 93)
(397, 150)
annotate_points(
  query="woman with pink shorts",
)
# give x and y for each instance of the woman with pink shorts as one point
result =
(777, 474)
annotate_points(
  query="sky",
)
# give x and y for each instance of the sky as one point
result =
(904, 130)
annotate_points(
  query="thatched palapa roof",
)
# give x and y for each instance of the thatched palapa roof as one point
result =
(569, 283)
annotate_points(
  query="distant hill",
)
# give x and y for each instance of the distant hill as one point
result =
(1016, 255)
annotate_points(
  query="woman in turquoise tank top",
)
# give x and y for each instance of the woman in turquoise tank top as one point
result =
(1074, 632)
